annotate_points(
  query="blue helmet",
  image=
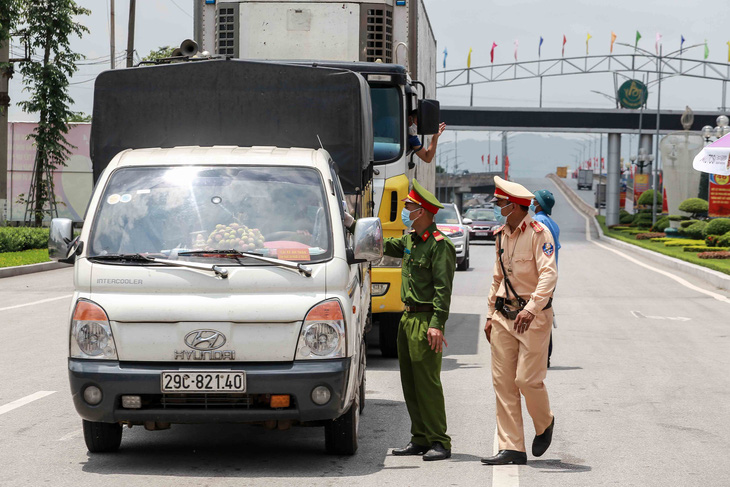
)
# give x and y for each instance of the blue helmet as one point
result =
(546, 200)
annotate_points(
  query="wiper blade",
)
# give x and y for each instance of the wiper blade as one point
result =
(219, 271)
(305, 270)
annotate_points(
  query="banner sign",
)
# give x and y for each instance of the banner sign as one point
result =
(641, 184)
(719, 196)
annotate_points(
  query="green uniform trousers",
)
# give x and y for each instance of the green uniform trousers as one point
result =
(420, 371)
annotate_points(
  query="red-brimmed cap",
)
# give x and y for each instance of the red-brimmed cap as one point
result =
(512, 192)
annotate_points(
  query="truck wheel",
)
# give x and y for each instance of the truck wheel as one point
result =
(340, 435)
(388, 331)
(363, 371)
(464, 264)
(102, 437)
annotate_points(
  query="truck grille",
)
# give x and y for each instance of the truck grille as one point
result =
(207, 401)
(378, 32)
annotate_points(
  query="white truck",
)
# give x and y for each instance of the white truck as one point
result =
(215, 279)
(389, 42)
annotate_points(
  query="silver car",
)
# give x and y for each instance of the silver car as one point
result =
(450, 223)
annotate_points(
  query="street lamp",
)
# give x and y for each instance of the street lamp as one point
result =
(709, 132)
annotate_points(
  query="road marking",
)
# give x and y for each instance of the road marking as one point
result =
(504, 475)
(23, 401)
(639, 314)
(36, 302)
(678, 279)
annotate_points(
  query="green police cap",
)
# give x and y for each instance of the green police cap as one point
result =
(545, 199)
(422, 196)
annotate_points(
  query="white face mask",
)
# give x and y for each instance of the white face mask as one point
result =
(413, 130)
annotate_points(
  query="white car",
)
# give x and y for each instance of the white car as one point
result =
(450, 223)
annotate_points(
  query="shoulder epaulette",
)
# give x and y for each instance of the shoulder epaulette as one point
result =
(499, 229)
(537, 227)
(437, 236)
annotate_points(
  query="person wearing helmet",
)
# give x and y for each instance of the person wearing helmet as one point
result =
(542, 207)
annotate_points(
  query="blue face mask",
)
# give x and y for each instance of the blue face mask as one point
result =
(532, 208)
(498, 216)
(405, 215)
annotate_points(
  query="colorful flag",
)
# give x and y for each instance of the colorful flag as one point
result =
(494, 44)
(656, 43)
(446, 53)
(588, 38)
(564, 41)
(517, 44)
(681, 44)
(496, 161)
(613, 39)
(468, 59)
(707, 50)
(539, 48)
(638, 36)
(482, 159)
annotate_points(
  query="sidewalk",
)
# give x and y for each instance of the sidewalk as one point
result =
(31, 268)
(715, 278)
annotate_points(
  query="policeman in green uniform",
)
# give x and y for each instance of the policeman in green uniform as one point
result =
(429, 260)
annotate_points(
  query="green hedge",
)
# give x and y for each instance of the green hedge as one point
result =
(660, 224)
(724, 241)
(16, 239)
(647, 198)
(687, 223)
(718, 226)
(694, 205)
(683, 243)
(702, 248)
(695, 231)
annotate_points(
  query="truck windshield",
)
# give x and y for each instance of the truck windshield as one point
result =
(277, 212)
(387, 124)
(447, 215)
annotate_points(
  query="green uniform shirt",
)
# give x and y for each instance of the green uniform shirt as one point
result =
(428, 270)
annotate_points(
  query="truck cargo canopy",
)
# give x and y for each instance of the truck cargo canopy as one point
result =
(233, 102)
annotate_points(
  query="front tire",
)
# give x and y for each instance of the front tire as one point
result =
(102, 437)
(464, 264)
(340, 435)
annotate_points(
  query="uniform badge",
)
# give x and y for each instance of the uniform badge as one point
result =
(438, 236)
(548, 249)
(537, 227)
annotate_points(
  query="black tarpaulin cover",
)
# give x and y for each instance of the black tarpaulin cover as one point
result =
(233, 102)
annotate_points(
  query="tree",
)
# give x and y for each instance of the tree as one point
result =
(79, 117)
(159, 53)
(49, 25)
(440, 170)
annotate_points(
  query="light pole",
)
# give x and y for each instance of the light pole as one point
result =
(709, 132)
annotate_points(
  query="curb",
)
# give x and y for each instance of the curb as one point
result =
(715, 278)
(31, 268)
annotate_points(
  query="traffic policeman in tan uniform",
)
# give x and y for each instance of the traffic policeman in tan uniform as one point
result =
(429, 261)
(518, 323)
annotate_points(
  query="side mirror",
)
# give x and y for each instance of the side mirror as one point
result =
(368, 240)
(467, 221)
(429, 117)
(62, 247)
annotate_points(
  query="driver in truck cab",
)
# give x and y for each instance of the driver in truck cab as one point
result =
(415, 144)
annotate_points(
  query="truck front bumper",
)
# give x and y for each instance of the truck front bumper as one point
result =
(297, 379)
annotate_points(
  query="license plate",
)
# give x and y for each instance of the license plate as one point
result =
(482, 234)
(211, 381)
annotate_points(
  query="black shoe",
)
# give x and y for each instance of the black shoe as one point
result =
(506, 457)
(437, 452)
(541, 442)
(411, 449)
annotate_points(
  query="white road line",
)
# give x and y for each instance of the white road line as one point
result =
(23, 401)
(36, 302)
(678, 279)
(504, 475)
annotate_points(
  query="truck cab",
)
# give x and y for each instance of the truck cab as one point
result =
(219, 283)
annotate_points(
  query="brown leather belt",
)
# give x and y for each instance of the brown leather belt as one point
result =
(419, 308)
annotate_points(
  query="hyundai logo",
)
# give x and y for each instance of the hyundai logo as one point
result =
(205, 339)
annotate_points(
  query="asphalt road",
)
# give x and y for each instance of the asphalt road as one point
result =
(639, 388)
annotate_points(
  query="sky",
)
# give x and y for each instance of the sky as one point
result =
(459, 25)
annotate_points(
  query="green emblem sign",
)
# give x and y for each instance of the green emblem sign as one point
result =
(632, 94)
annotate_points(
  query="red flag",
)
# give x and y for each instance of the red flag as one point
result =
(496, 161)
(482, 159)
(506, 167)
(494, 44)
(564, 41)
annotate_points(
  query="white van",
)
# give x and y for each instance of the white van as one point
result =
(218, 284)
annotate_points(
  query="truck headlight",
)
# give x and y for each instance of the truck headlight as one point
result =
(379, 288)
(323, 332)
(91, 334)
(456, 234)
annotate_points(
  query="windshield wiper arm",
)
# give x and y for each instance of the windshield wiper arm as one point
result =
(305, 270)
(219, 271)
